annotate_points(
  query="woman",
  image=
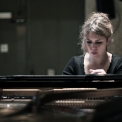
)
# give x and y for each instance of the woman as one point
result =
(95, 35)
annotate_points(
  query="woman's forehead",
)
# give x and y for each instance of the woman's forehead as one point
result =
(93, 35)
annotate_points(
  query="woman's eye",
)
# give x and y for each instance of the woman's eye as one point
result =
(89, 42)
(98, 42)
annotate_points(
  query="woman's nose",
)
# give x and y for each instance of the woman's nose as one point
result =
(93, 45)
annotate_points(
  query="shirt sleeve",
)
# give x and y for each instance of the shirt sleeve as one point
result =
(119, 67)
(69, 68)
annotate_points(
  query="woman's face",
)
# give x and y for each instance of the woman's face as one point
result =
(96, 44)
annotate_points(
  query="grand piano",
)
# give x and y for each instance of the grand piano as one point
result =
(35, 98)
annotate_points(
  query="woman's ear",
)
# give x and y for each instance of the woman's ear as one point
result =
(108, 41)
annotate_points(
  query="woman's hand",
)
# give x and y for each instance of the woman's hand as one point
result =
(97, 71)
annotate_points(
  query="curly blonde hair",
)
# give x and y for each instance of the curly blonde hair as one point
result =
(97, 22)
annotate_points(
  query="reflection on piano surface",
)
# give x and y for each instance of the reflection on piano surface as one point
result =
(60, 104)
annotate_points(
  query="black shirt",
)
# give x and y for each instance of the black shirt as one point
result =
(76, 66)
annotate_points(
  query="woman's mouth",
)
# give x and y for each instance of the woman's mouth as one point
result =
(94, 53)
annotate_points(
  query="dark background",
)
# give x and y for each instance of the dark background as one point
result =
(41, 35)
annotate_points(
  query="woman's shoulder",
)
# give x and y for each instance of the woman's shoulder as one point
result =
(79, 57)
(116, 57)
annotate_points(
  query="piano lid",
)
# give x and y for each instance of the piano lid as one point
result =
(37, 81)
